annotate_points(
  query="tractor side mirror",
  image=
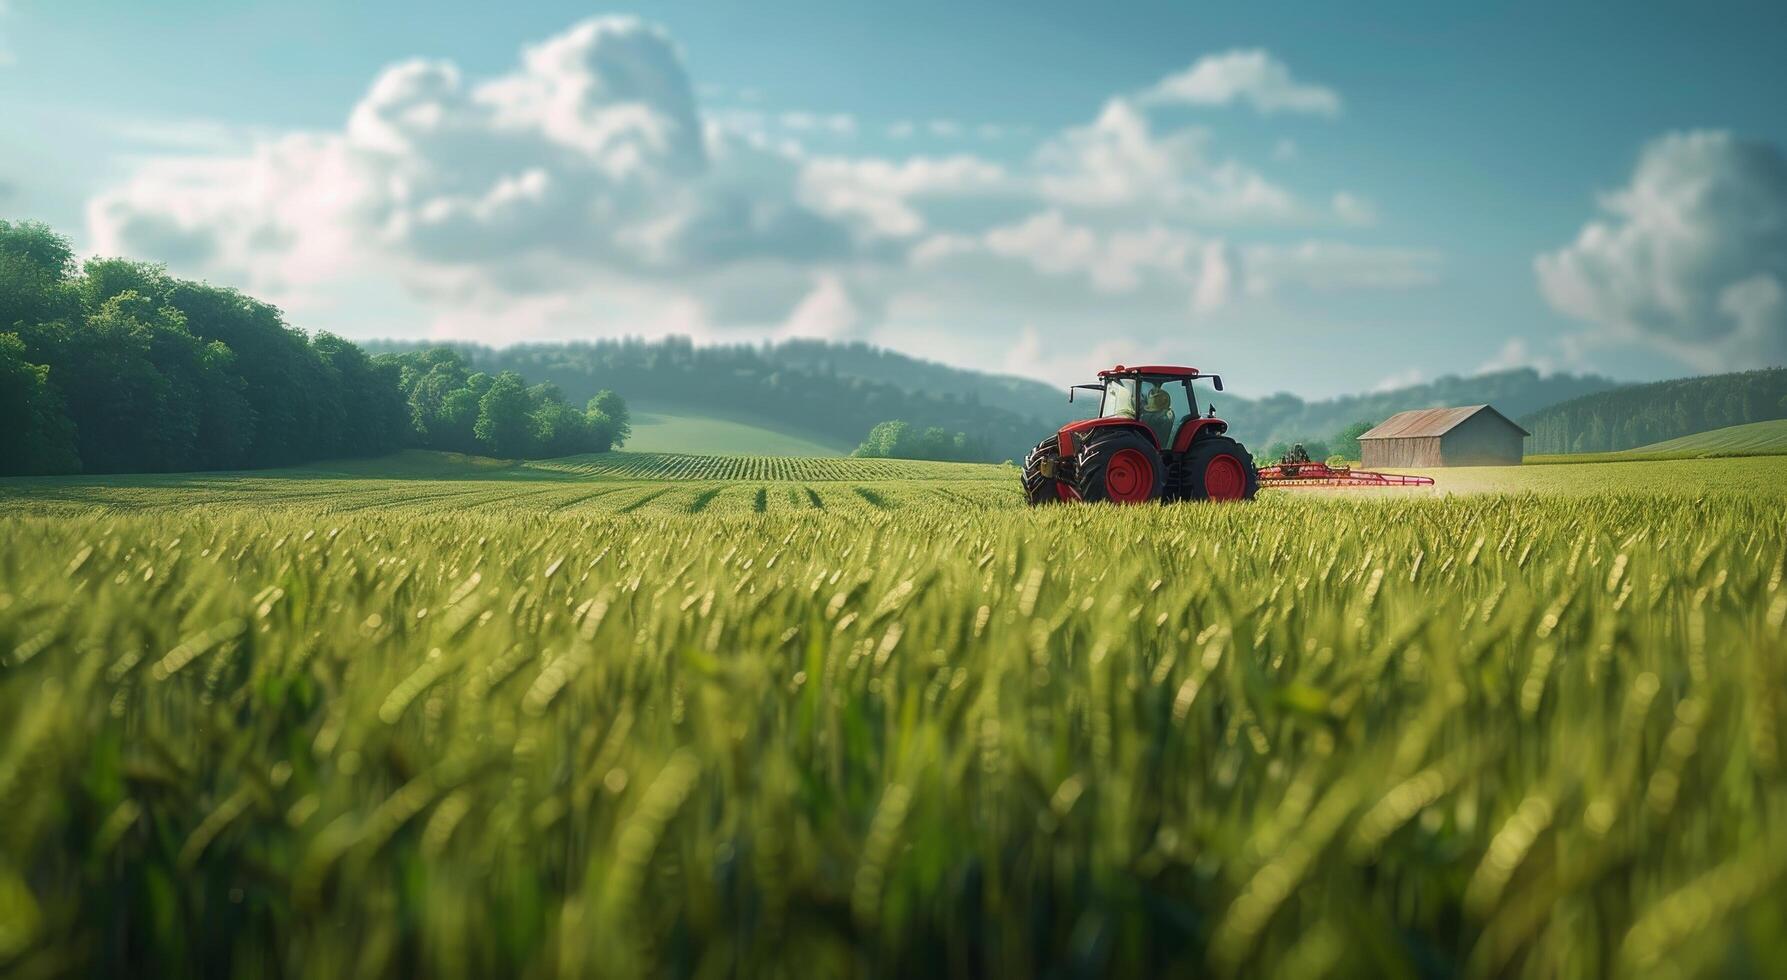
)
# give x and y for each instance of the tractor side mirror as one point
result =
(1070, 396)
(1217, 379)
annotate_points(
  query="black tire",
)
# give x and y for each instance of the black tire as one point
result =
(1093, 470)
(1197, 469)
(1040, 489)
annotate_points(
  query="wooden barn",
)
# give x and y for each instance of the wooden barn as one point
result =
(1474, 435)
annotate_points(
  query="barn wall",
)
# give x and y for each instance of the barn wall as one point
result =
(1484, 439)
(1400, 452)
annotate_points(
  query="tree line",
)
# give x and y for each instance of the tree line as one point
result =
(771, 385)
(114, 366)
(835, 392)
(1639, 415)
(897, 439)
(457, 409)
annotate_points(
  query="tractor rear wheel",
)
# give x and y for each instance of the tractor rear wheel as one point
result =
(1219, 468)
(1121, 466)
(1040, 488)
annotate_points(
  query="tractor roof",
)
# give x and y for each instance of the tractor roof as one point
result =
(1174, 372)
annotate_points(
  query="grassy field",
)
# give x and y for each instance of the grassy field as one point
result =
(1754, 439)
(673, 432)
(616, 715)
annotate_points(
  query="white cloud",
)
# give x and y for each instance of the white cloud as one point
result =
(1515, 352)
(1406, 378)
(1204, 271)
(584, 192)
(285, 216)
(1034, 357)
(588, 160)
(884, 196)
(1690, 257)
(1327, 265)
(1117, 261)
(826, 313)
(1250, 76)
(1118, 162)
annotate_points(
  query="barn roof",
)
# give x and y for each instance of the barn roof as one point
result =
(1431, 422)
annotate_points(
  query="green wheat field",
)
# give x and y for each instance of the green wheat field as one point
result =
(666, 715)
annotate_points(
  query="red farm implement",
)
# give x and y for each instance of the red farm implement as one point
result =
(1323, 475)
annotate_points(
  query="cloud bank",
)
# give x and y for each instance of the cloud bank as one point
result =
(1690, 257)
(585, 192)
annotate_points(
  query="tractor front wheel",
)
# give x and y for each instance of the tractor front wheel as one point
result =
(1121, 466)
(1219, 468)
(1039, 487)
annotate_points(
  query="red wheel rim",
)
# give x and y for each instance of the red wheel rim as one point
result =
(1129, 477)
(1223, 478)
(1063, 491)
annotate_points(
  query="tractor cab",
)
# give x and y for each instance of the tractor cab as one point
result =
(1147, 442)
(1160, 401)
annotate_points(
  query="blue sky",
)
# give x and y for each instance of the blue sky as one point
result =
(1318, 198)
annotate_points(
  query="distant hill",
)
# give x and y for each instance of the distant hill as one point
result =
(659, 431)
(1753, 438)
(832, 402)
(832, 394)
(1513, 393)
(1641, 415)
(1255, 419)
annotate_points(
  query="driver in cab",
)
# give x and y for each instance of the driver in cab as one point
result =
(1157, 412)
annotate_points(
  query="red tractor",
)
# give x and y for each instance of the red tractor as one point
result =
(1148, 442)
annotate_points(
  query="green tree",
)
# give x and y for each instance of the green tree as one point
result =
(613, 408)
(35, 433)
(102, 279)
(884, 440)
(294, 400)
(36, 266)
(1347, 442)
(226, 420)
(371, 399)
(898, 439)
(504, 426)
(561, 430)
(128, 378)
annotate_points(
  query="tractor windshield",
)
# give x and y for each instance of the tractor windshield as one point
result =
(1165, 400)
(1119, 399)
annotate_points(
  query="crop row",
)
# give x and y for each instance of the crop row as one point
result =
(678, 466)
(442, 497)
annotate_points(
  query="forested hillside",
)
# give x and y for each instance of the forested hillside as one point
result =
(117, 367)
(1513, 393)
(1643, 414)
(754, 384)
(839, 392)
